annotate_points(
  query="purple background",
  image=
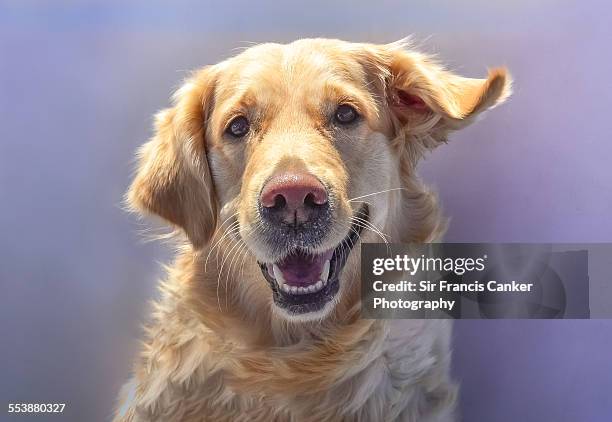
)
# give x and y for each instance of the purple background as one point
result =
(78, 87)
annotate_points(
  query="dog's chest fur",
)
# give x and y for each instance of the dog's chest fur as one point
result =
(396, 370)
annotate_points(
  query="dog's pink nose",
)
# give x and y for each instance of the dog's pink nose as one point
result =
(293, 190)
(293, 195)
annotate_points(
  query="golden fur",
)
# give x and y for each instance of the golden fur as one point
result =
(216, 348)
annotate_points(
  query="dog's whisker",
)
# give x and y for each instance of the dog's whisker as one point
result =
(229, 270)
(220, 270)
(233, 266)
(376, 193)
(227, 220)
(367, 224)
(226, 236)
(358, 237)
(363, 202)
(224, 231)
(380, 233)
(227, 232)
(232, 261)
(232, 229)
(220, 226)
(244, 258)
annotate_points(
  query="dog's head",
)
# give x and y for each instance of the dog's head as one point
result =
(284, 147)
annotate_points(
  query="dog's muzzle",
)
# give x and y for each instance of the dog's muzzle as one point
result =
(304, 282)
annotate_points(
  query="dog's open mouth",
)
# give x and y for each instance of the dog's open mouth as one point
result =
(304, 282)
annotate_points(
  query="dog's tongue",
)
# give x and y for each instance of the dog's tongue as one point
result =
(303, 269)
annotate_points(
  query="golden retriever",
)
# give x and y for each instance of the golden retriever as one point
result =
(275, 165)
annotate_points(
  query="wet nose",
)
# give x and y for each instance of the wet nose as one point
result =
(293, 197)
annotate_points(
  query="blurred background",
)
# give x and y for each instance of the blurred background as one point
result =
(79, 82)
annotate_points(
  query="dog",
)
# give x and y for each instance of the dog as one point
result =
(274, 166)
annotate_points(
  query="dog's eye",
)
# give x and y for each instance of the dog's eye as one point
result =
(238, 127)
(345, 114)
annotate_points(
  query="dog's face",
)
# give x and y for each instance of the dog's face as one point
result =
(284, 147)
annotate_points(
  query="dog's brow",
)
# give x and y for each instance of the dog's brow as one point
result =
(343, 92)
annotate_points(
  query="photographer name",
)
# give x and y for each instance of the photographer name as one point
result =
(446, 286)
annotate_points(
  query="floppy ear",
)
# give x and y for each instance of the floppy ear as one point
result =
(425, 100)
(173, 179)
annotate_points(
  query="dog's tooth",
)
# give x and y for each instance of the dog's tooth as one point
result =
(310, 289)
(278, 275)
(286, 288)
(294, 289)
(325, 272)
(319, 285)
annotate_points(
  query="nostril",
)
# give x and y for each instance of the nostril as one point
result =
(318, 195)
(279, 202)
(309, 200)
(312, 200)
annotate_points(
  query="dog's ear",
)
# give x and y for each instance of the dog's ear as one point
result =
(425, 100)
(173, 179)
